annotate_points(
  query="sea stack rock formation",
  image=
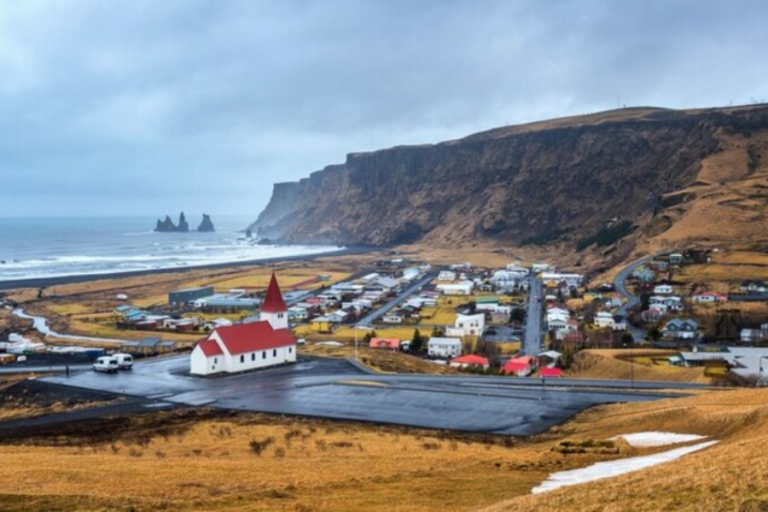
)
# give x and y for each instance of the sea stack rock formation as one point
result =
(167, 225)
(206, 226)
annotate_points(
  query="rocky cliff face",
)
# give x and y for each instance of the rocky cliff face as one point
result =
(580, 180)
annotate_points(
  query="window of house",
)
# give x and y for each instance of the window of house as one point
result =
(290, 350)
(253, 356)
(274, 353)
(215, 360)
(264, 355)
(242, 359)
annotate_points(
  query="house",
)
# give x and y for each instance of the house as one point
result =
(383, 283)
(244, 347)
(550, 373)
(751, 335)
(297, 313)
(321, 324)
(754, 286)
(675, 258)
(708, 297)
(520, 366)
(444, 347)
(392, 344)
(460, 288)
(671, 302)
(558, 279)
(409, 274)
(571, 325)
(680, 328)
(662, 289)
(644, 274)
(446, 275)
(468, 325)
(604, 319)
(538, 268)
(470, 361)
(392, 318)
(653, 315)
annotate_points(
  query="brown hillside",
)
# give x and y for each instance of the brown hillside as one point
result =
(578, 182)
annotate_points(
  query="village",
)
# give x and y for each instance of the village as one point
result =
(461, 316)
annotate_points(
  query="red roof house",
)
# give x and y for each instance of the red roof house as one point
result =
(550, 373)
(520, 366)
(385, 343)
(470, 360)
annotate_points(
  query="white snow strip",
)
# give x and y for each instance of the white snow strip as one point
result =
(646, 439)
(613, 468)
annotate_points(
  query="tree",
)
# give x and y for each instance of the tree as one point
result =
(417, 342)
(517, 316)
(654, 333)
(438, 332)
(627, 338)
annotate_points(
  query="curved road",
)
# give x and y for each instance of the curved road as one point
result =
(619, 284)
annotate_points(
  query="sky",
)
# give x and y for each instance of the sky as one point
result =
(114, 108)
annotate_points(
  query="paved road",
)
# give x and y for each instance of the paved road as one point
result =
(619, 284)
(336, 389)
(401, 297)
(532, 339)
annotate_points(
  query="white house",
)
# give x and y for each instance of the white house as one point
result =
(708, 297)
(670, 302)
(297, 313)
(248, 346)
(444, 347)
(446, 275)
(392, 318)
(462, 288)
(662, 289)
(604, 319)
(468, 325)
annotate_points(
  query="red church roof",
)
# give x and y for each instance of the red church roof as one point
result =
(210, 348)
(273, 302)
(242, 338)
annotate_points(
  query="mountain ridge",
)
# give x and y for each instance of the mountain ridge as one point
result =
(560, 181)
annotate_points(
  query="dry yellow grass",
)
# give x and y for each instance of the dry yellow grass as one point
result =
(307, 466)
(731, 476)
(379, 360)
(615, 364)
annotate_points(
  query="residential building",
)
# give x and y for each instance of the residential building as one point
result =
(520, 366)
(681, 328)
(297, 313)
(446, 275)
(662, 289)
(392, 318)
(468, 325)
(708, 297)
(604, 319)
(460, 288)
(470, 361)
(754, 286)
(444, 347)
(667, 303)
(392, 344)
(675, 258)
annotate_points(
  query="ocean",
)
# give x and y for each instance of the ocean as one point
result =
(54, 247)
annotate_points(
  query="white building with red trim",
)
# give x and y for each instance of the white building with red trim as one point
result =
(243, 347)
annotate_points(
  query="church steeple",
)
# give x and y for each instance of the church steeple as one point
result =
(274, 310)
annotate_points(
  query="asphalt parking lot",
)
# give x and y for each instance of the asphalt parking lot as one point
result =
(337, 389)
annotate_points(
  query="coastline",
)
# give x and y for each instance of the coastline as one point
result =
(39, 282)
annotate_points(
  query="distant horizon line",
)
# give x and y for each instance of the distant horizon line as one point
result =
(127, 216)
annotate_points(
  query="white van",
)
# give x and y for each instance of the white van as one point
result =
(106, 364)
(124, 361)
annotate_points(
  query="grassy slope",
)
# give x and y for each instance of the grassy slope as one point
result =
(731, 476)
(615, 364)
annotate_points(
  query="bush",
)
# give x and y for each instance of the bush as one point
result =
(258, 447)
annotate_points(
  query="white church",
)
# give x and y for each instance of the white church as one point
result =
(242, 347)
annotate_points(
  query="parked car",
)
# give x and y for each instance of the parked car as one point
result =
(107, 364)
(124, 361)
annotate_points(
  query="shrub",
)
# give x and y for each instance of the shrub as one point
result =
(258, 447)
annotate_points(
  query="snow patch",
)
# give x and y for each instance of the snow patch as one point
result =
(613, 468)
(646, 439)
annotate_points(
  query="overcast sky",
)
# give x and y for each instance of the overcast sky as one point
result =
(147, 107)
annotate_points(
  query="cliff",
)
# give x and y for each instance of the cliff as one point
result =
(581, 181)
